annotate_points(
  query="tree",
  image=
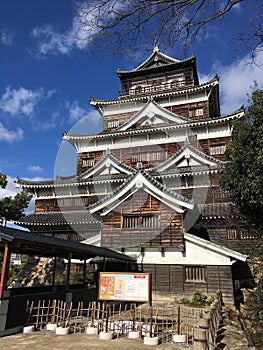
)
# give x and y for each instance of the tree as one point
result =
(140, 23)
(13, 208)
(243, 177)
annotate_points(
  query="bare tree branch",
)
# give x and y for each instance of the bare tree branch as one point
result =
(133, 23)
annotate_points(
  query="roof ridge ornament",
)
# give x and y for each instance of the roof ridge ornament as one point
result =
(156, 48)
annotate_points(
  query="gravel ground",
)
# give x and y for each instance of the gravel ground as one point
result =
(44, 340)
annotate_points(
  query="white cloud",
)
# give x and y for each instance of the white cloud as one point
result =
(52, 42)
(236, 80)
(75, 111)
(34, 168)
(6, 38)
(82, 31)
(81, 116)
(22, 101)
(10, 135)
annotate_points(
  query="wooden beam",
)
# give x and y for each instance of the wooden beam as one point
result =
(5, 269)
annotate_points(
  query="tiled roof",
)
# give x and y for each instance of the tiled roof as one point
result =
(215, 247)
(156, 52)
(115, 160)
(183, 120)
(181, 91)
(217, 210)
(195, 151)
(193, 123)
(58, 218)
(149, 178)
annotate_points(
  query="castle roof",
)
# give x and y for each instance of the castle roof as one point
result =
(151, 129)
(141, 180)
(158, 94)
(59, 218)
(159, 62)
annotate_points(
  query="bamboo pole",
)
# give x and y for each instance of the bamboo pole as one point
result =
(38, 311)
(68, 315)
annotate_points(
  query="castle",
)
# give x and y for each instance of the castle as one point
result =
(148, 184)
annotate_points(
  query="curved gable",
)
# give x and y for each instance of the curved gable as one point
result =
(109, 165)
(143, 181)
(187, 156)
(150, 115)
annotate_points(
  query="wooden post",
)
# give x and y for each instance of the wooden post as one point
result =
(104, 263)
(84, 271)
(68, 272)
(54, 271)
(5, 270)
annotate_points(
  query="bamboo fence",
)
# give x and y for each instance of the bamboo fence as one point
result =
(162, 321)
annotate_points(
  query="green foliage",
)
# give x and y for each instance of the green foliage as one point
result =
(13, 208)
(210, 300)
(76, 276)
(3, 180)
(13, 271)
(185, 301)
(199, 299)
(243, 177)
(59, 279)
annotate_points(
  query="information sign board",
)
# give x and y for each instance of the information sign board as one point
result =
(124, 286)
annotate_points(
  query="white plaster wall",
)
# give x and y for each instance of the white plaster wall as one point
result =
(193, 255)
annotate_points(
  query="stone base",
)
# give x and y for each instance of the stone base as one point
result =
(29, 329)
(91, 330)
(133, 335)
(62, 330)
(51, 327)
(106, 335)
(178, 338)
(151, 341)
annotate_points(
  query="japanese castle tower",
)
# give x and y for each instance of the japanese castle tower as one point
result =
(148, 184)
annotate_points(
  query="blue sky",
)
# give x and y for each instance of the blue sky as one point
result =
(47, 79)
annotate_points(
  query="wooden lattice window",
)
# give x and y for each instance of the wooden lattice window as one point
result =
(231, 233)
(88, 162)
(148, 157)
(113, 123)
(196, 112)
(216, 149)
(141, 221)
(195, 274)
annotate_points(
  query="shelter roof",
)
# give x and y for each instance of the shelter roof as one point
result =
(24, 242)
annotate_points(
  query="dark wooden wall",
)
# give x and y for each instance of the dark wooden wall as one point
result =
(169, 280)
(168, 232)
